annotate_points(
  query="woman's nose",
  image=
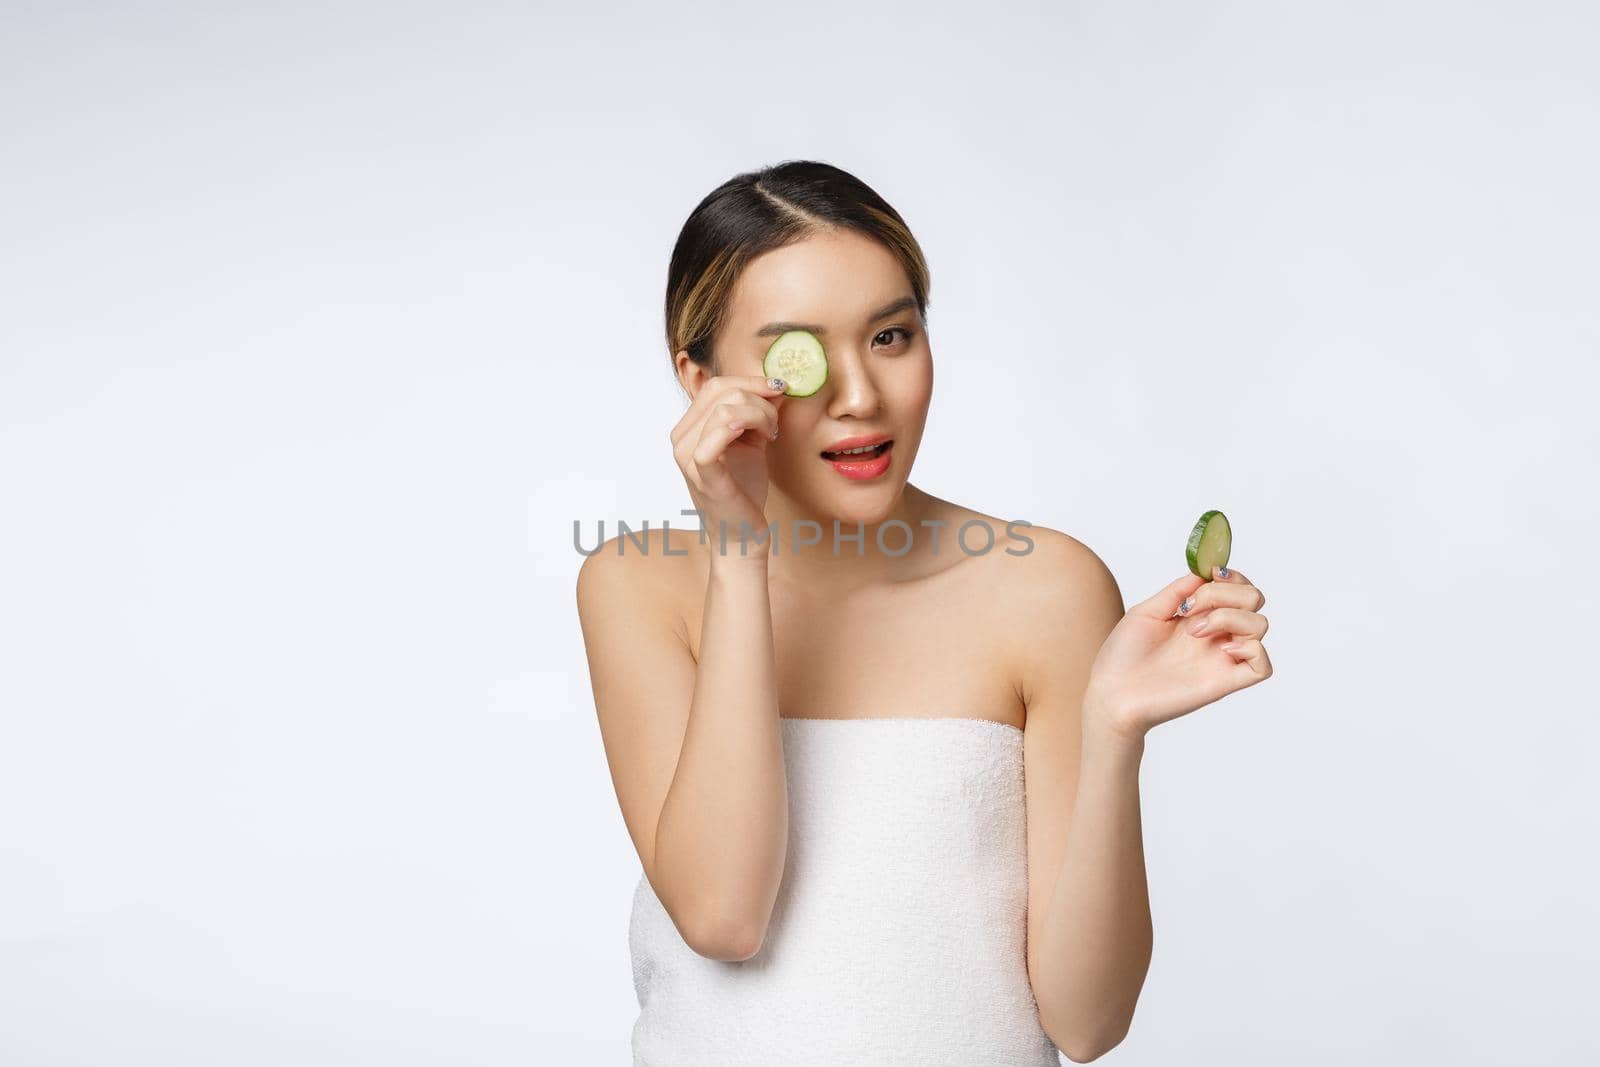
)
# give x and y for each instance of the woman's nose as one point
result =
(854, 392)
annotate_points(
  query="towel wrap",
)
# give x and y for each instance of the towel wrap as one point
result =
(899, 934)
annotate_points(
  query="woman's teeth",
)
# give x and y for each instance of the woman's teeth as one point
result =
(869, 450)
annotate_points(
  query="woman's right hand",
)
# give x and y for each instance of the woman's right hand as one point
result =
(720, 445)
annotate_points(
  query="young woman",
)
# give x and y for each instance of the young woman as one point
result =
(882, 779)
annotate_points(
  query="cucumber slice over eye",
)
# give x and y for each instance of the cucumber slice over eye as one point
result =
(1209, 543)
(798, 359)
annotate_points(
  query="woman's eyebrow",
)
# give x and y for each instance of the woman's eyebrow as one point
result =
(773, 329)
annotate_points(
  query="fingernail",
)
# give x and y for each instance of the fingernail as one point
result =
(774, 435)
(1183, 609)
(776, 383)
(1231, 646)
(1197, 627)
(1222, 572)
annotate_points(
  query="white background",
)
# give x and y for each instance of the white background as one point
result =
(320, 326)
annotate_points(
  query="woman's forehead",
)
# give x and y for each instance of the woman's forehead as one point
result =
(840, 279)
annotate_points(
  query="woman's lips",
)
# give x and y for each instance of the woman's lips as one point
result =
(863, 465)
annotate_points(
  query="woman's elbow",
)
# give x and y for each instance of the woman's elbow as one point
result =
(1087, 1052)
(722, 938)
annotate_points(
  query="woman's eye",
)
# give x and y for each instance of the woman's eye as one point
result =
(897, 329)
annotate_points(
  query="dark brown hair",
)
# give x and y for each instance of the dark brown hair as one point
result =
(761, 210)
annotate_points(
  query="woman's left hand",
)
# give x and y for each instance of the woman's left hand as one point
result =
(1151, 668)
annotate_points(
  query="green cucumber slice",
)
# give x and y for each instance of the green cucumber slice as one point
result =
(1209, 543)
(798, 359)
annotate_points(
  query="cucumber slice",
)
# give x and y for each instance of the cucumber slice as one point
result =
(1209, 543)
(798, 359)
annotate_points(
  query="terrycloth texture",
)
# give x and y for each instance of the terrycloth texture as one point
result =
(900, 930)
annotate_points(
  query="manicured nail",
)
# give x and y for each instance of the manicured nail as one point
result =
(1222, 572)
(1197, 627)
(1183, 609)
(775, 383)
(1231, 646)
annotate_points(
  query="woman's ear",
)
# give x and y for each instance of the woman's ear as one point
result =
(691, 375)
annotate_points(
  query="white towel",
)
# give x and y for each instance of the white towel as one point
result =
(900, 930)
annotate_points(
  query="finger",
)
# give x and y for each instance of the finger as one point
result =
(712, 393)
(1251, 656)
(1235, 621)
(1231, 575)
(740, 400)
(728, 425)
(712, 475)
(723, 387)
(757, 418)
(768, 409)
(771, 389)
(1222, 593)
(755, 383)
(1165, 603)
(1192, 586)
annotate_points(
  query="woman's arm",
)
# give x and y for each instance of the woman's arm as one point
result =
(1097, 678)
(1096, 940)
(695, 750)
(1089, 928)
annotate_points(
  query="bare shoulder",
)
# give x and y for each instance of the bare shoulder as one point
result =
(1033, 567)
(1062, 600)
(1050, 566)
(644, 569)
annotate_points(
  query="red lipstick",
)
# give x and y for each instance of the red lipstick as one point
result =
(857, 442)
(862, 465)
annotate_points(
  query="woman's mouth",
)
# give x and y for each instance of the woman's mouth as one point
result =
(868, 464)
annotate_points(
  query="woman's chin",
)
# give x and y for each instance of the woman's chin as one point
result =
(867, 507)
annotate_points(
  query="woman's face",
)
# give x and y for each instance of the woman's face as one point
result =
(853, 294)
